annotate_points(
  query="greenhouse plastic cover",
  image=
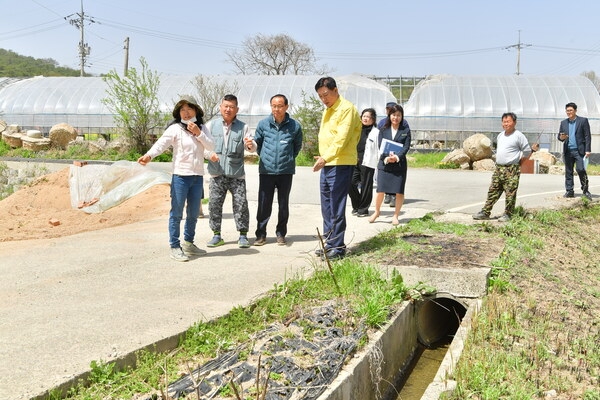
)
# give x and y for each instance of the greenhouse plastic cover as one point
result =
(106, 186)
(46, 101)
(476, 103)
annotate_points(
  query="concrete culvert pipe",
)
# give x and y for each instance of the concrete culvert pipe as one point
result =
(438, 316)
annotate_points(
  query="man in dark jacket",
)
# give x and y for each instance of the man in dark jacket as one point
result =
(277, 140)
(575, 134)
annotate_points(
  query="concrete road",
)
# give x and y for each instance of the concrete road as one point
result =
(103, 295)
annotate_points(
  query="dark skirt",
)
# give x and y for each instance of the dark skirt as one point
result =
(392, 179)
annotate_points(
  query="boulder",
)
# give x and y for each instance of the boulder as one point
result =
(34, 133)
(486, 164)
(13, 128)
(61, 134)
(458, 157)
(478, 147)
(13, 139)
(545, 158)
(35, 144)
(3, 125)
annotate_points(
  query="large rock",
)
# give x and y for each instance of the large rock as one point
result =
(484, 165)
(13, 139)
(62, 134)
(458, 157)
(545, 158)
(478, 147)
(35, 144)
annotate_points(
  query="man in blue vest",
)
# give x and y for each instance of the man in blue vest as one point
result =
(226, 168)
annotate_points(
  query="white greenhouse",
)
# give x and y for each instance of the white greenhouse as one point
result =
(41, 102)
(450, 108)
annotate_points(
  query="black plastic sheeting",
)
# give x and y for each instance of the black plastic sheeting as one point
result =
(303, 368)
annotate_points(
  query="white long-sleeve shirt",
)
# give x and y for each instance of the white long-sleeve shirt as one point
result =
(188, 150)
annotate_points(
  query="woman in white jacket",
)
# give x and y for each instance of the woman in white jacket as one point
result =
(361, 188)
(189, 137)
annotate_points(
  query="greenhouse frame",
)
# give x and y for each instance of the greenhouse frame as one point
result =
(449, 108)
(41, 102)
(442, 108)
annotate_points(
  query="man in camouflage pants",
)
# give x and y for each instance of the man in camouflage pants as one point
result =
(226, 168)
(511, 150)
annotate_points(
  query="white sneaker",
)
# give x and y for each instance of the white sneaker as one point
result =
(191, 249)
(178, 255)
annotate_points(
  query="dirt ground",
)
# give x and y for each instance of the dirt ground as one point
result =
(32, 209)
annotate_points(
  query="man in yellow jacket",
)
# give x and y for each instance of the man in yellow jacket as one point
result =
(338, 136)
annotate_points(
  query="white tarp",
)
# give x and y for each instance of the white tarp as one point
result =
(106, 186)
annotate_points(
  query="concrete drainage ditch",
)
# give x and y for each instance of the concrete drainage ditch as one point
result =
(379, 370)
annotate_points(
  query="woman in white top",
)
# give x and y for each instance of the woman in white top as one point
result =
(189, 137)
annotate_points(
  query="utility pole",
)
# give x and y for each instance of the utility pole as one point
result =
(126, 47)
(83, 48)
(518, 46)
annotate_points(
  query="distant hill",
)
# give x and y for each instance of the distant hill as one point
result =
(13, 65)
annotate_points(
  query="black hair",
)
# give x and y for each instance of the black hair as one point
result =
(571, 105)
(285, 100)
(392, 110)
(370, 111)
(326, 81)
(512, 115)
(230, 97)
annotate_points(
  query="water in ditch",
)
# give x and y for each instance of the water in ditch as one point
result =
(422, 370)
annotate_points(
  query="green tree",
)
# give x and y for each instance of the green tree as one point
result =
(133, 99)
(309, 115)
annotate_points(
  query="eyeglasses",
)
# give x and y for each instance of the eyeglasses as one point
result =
(278, 107)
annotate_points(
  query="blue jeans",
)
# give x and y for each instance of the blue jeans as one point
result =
(334, 184)
(184, 189)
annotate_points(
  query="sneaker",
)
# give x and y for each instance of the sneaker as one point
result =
(362, 214)
(178, 255)
(387, 198)
(217, 240)
(481, 215)
(587, 195)
(243, 242)
(354, 211)
(281, 240)
(569, 194)
(504, 218)
(393, 202)
(191, 249)
(261, 241)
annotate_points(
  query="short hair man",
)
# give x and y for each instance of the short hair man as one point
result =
(226, 167)
(338, 136)
(576, 136)
(278, 141)
(512, 149)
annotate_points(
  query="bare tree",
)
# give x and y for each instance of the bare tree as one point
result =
(210, 92)
(275, 55)
(591, 75)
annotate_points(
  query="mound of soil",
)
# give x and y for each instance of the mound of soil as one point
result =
(43, 210)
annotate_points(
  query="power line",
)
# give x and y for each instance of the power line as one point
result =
(518, 46)
(84, 49)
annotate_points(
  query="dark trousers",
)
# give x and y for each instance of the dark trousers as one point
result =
(266, 192)
(334, 185)
(361, 198)
(574, 159)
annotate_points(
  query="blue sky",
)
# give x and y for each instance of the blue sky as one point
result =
(409, 38)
